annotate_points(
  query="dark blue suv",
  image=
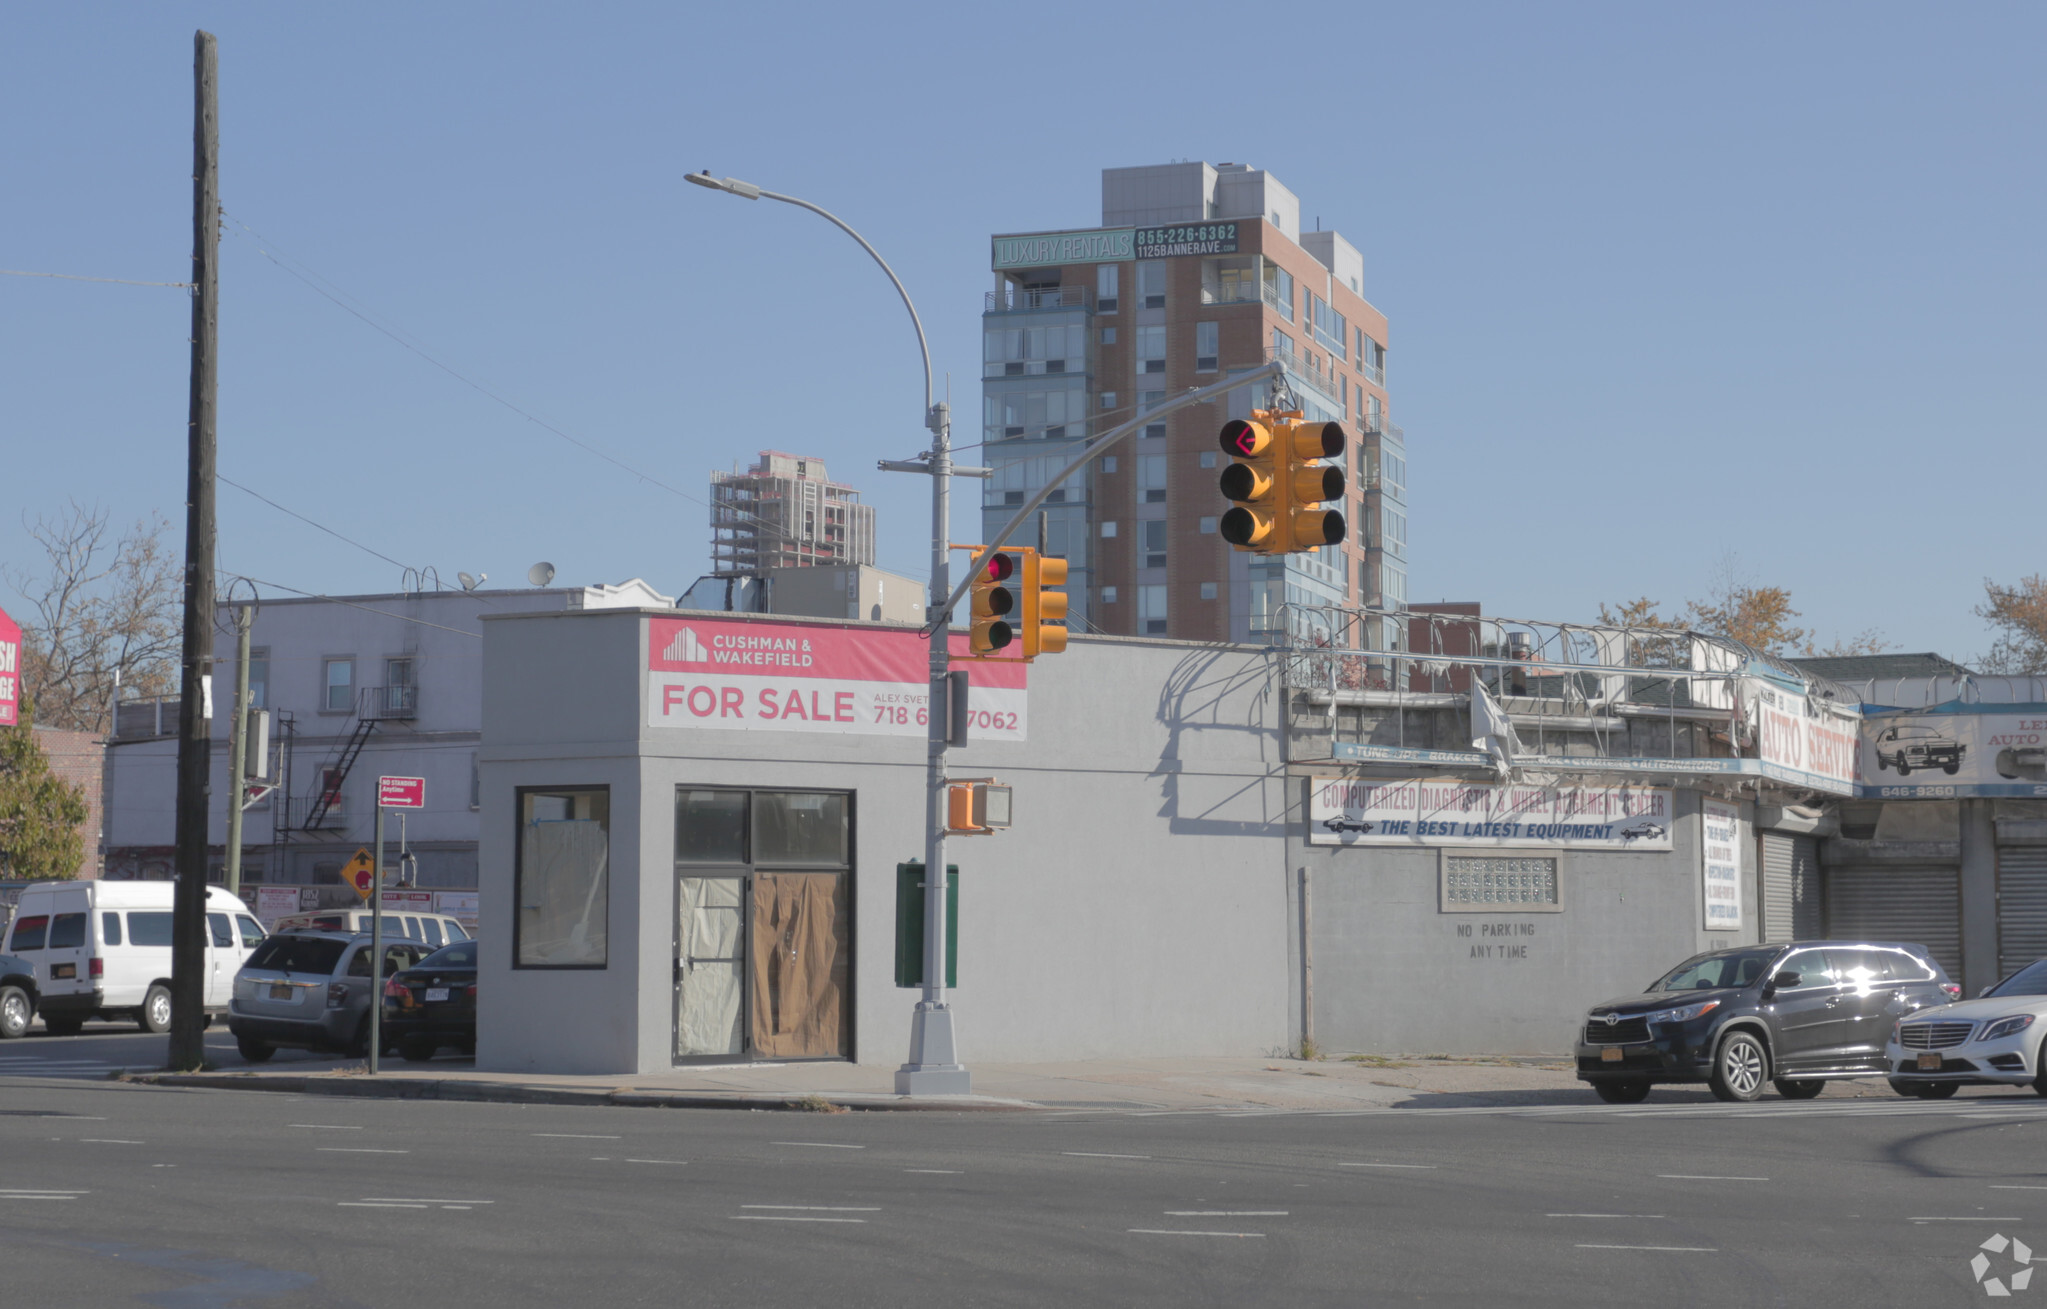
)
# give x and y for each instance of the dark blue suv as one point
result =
(1797, 1015)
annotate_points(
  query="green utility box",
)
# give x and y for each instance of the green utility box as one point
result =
(910, 924)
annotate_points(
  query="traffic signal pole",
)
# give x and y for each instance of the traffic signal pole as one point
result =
(933, 1067)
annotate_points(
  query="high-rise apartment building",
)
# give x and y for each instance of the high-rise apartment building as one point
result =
(1198, 271)
(784, 512)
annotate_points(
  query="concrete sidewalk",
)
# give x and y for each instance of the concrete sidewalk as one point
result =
(1336, 1084)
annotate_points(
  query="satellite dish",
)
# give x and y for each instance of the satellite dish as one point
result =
(471, 583)
(541, 573)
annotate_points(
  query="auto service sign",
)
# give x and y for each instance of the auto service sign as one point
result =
(1425, 812)
(10, 671)
(720, 675)
(1956, 750)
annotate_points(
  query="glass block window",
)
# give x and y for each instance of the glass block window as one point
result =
(1499, 882)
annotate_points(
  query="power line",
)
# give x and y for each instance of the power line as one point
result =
(328, 291)
(383, 613)
(78, 277)
(310, 523)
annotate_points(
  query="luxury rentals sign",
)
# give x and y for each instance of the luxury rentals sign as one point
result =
(721, 675)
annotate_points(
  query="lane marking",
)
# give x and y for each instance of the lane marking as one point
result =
(657, 1161)
(353, 1149)
(1421, 1166)
(1090, 1154)
(32, 1196)
(779, 1218)
(579, 1136)
(1602, 1215)
(1967, 1218)
(105, 1140)
(1671, 1249)
(1156, 1231)
(821, 1208)
(324, 1127)
(1996, 1187)
(1225, 1213)
(375, 1204)
(950, 1172)
(1705, 1177)
(415, 1199)
(820, 1145)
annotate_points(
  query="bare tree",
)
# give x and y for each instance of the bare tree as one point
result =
(101, 606)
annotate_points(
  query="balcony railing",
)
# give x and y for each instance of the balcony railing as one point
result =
(387, 702)
(1018, 300)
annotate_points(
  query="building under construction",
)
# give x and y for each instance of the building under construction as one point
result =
(785, 513)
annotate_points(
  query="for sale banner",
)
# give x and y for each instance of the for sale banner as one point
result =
(1347, 811)
(721, 675)
(1955, 750)
(10, 671)
(1720, 865)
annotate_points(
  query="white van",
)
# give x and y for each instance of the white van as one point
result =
(430, 930)
(103, 950)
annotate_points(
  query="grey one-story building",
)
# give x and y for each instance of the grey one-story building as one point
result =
(692, 826)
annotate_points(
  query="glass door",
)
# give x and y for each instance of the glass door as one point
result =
(710, 966)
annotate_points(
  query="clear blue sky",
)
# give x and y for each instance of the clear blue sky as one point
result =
(1666, 283)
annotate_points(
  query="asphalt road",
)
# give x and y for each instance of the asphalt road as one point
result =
(113, 1194)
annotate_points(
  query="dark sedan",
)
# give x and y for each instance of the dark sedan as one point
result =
(432, 1004)
(1798, 1015)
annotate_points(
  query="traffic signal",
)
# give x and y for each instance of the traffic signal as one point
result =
(1308, 484)
(1278, 484)
(994, 600)
(1249, 480)
(1044, 610)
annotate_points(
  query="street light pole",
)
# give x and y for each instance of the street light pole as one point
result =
(933, 1067)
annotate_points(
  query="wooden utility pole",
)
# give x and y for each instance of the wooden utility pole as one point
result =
(195, 725)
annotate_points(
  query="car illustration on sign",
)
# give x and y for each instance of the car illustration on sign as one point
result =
(1346, 825)
(1908, 747)
(1643, 831)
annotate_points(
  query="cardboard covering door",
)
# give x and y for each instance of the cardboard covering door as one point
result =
(800, 966)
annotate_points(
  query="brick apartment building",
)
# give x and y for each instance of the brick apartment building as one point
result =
(78, 758)
(1197, 272)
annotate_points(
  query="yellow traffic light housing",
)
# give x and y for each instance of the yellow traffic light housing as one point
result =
(1252, 523)
(994, 600)
(1309, 484)
(1044, 610)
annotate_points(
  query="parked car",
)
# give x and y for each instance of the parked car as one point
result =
(310, 991)
(103, 950)
(430, 930)
(1797, 1015)
(433, 1004)
(17, 996)
(1994, 1040)
(1907, 748)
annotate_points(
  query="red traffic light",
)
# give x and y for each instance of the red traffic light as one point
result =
(1001, 567)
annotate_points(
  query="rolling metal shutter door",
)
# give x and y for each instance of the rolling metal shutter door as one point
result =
(1922, 906)
(2021, 907)
(1791, 888)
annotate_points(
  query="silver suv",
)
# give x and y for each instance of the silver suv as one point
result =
(311, 991)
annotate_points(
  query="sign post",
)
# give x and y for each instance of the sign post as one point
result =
(392, 793)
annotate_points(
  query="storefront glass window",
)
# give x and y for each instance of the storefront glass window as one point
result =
(710, 827)
(563, 878)
(795, 827)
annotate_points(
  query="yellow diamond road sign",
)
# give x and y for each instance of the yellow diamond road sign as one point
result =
(360, 872)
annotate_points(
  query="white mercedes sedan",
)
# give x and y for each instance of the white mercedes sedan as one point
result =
(1993, 1040)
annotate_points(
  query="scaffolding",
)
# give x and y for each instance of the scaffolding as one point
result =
(1581, 698)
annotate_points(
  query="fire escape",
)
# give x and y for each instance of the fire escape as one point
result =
(374, 705)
